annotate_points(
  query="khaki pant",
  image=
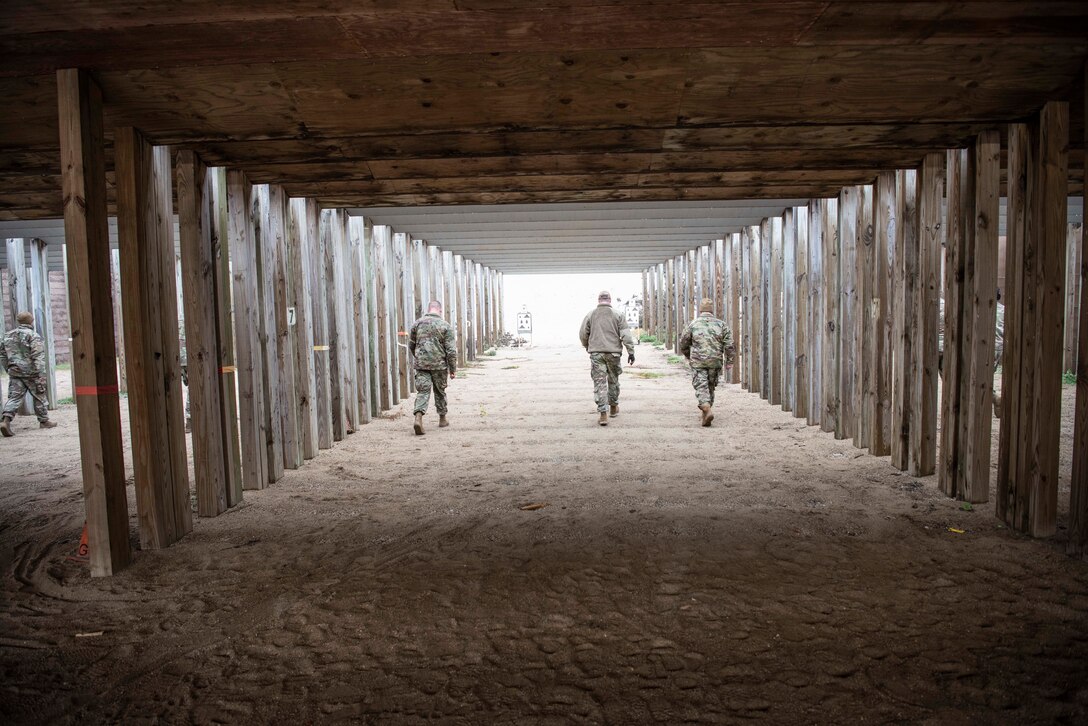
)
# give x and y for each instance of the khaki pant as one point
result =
(605, 370)
(425, 382)
(18, 388)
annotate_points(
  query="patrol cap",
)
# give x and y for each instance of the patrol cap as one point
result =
(706, 305)
(25, 318)
(604, 297)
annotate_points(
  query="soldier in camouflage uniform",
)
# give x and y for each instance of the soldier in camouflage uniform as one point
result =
(603, 333)
(22, 356)
(433, 345)
(707, 342)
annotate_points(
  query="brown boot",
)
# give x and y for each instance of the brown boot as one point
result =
(603, 421)
(443, 422)
(418, 425)
(5, 427)
(47, 424)
(708, 413)
(614, 410)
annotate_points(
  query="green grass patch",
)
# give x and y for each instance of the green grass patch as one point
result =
(66, 401)
(649, 374)
(659, 346)
(676, 359)
(647, 338)
(509, 368)
(1069, 378)
(490, 351)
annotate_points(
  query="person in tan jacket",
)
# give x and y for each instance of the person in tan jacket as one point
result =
(604, 333)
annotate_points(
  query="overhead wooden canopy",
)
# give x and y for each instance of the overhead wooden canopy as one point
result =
(388, 103)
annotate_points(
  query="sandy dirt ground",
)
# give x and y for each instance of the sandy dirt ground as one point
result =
(758, 569)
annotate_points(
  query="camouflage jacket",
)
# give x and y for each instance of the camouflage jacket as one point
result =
(706, 341)
(433, 344)
(22, 353)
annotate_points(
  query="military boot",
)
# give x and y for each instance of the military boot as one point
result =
(418, 426)
(708, 413)
(5, 427)
(603, 421)
(614, 410)
(47, 424)
(443, 422)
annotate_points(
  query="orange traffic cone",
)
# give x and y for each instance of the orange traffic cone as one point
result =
(83, 552)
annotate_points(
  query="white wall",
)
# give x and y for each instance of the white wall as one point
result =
(559, 302)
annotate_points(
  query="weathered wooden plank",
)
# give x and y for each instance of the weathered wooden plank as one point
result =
(959, 271)
(744, 335)
(357, 244)
(816, 334)
(373, 365)
(848, 312)
(271, 382)
(775, 314)
(863, 341)
(902, 354)
(801, 313)
(94, 366)
(400, 273)
(319, 321)
(299, 262)
(923, 426)
(883, 252)
(331, 232)
(767, 308)
(201, 299)
(284, 330)
(832, 325)
(789, 310)
(243, 266)
(18, 297)
(392, 294)
(348, 325)
(1050, 208)
(1072, 296)
(228, 370)
(758, 352)
(1078, 501)
(1010, 492)
(979, 359)
(118, 317)
(148, 278)
(379, 263)
(41, 304)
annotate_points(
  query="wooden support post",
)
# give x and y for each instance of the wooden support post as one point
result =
(1072, 296)
(735, 286)
(744, 335)
(775, 314)
(285, 328)
(243, 266)
(155, 403)
(331, 234)
(667, 302)
(300, 246)
(883, 266)
(460, 310)
(789, 311)
(360, 313)
(758, 355)
(345, 310)
(863, 322)
(400, 247)
(392, 295)
(94, 365)
(816, 334)
(979, 358)
(1027, 465)
(848, 312)
(319, 321)
(832, 329)
(211, 452)
(1078, 501)
(373, 349)
(269, 343)
(923, 425)
(903, 358)
(959, 270)
(228, 375)
(380, 266)
(41, 304)
(766, 285)
(801, 381)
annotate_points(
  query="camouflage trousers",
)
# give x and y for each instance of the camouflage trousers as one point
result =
(704, 381)
(425, 382)
(17, 390)
(605, 370)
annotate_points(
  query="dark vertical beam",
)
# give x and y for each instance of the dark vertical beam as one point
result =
(1078, 502)
(863, 324)
(832, 325)
(848, 311)
(799, 361)
(816, 333)
(736, 287)
(265, 241)
(979, 358)
(94, 363)
(906, 274)
(152, 354)
(201, 298)
(958, 269)
(923, 427)
(879, 364)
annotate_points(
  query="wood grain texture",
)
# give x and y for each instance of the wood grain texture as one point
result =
(1078, 501)
(268, 235)
(94, 366)
(884, 224)
(284, 329)
(849, 253)
(832, 324)
(299, 261)
(923, 427)
(815, 321)
(800, 361)
(904, 322)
